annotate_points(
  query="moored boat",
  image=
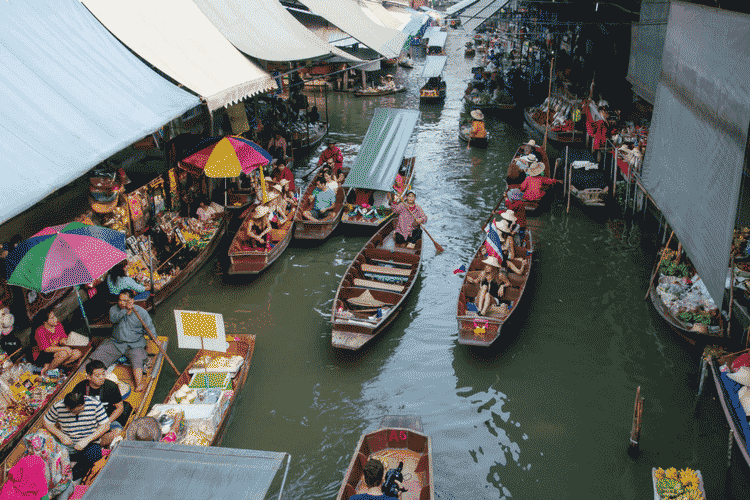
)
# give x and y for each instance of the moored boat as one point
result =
(587, 180)
(305, 229)
(305, 138)
(373, 290)
(380, 92)
(559, 138)
(434, 90)
(399, 440)
(484, 330)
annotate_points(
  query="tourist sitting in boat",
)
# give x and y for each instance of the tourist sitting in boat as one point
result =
(78, 422)
(515, 175)
(506, 228)
(400, 184)
(410, 218)
(514, 201)
(50, 350)
(281, 171)
(278, 206)
(328, 176)
(277, 146)
(207, 212)
(313, 116)
(532, 185)
(118, 280)
(97, 386)
(256, 227)
(323, 199)
(478, 130)
(373, 474)
(491, 283)
(332, 151)
(127, 337)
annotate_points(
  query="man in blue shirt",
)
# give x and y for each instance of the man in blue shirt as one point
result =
(373, 472)
(323, 199)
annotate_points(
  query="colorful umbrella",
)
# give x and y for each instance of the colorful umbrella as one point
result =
(228, 157)
(63, 256)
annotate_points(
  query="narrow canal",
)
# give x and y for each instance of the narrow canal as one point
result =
(544, 414)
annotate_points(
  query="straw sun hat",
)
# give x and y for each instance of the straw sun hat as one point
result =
(278, 187)
(510, 216)
(536, 169)
(260, 211)
(492, 261)
(531, 142)
(531, 158)
(366, 300)
(144, 429)
(477, 114)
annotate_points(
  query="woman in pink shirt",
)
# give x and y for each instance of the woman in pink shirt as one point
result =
(532, 185)
(51, 350)
(410, 217)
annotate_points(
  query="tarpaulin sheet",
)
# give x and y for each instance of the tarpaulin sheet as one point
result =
(143, 469)
(478, 13)
(383, 149)
(264, 29)
(349, 17)
(72, 97)
(176, 38)
(433, 66)
(646, 48)
(696, 148)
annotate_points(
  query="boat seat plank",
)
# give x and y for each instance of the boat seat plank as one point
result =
(378, 285)
(386, 270)
(402, 265)
(386, 278)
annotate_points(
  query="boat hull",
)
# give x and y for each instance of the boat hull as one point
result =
(557, 138)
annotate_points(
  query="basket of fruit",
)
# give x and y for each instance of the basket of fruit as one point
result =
(671, 484)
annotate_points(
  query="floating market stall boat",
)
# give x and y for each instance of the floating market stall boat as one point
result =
(587, 180)
(381, 165)
(399, 442)
(305, 229)
(374, 289)
(464, 132)
(535, 118)
(306, 137)
(378, 91)
(434, 90)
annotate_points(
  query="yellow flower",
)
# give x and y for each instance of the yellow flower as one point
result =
(659, 473)
(671, 473)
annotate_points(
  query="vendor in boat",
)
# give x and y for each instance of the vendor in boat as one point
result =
(208, 211)
(281, 171)
(313, 116)
(290, 197)
(514, 201)
(478, 130)
(400, 183)
(277, 146)
(277, 204)
(257, 226)
(532, 185)
(410, 218)
(328, 176)
(118, 280)
(388, 82)
(331, 151)
(373, 474)
(491, 283)
(529, 148)
(323, 199)
(515, 176)
(525, 161)
(50, 350)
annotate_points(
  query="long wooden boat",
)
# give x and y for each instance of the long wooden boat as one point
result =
(491, 107)
(247, 260)
(469, 52)
(484, 330)
(98, 309)
(359, 220)
(138, 400)
(433, 95)
(386, 271)
(380, 92)
(739, 429)
(556, 137)
(239, 345)
(304, 142)
(535, 207)
(464, 131)
(715, 335)
(305, 229)
(399, 439)
(11, 440)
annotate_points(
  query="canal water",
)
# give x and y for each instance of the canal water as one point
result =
(544, 414)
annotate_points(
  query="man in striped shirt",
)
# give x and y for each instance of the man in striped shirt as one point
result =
(78, 422)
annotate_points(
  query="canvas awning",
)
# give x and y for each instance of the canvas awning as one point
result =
(647, 47)
(478, 13)
(431, 31)
(415, 24)
(382, 14)
(349, 17)
(433, 66)
(383, 149)
(438, 39)
(176, 38)
(145, 469)
(72, 97)
(273, 36)
(459, 7)
(698, 137)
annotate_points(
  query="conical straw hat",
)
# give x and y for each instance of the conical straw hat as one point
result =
(366, 300)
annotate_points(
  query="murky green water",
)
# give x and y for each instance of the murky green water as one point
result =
(544, 414)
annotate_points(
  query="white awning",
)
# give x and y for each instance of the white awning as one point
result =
(459, 7)
(438, 39)
(348, 16)
(273, 36)
(431, 31)
(478, 13)
(175, 37)
(386, 18)
(414, 23)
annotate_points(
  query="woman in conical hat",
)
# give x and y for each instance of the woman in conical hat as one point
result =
(478, 131)
(491, 283)
(258, 226)
(532, 186)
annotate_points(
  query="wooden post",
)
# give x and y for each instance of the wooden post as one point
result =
(727, 476)
(549, 102)
(704, 371)
(569, 182)
(635, 432)
(731, 296)
(364, 80)
(651, 281)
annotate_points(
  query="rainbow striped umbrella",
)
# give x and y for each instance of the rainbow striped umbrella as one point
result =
(227, 158)
(63, 256)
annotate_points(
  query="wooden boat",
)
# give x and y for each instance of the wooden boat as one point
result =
(470, 52)
(388, 63)
(303, 142)
(239, 345)
(138, 400)
(399, 439)
(377, 220)
(556, 137)
(387, 272)
(537, 206)
(98, 308)
(431, 95)
(248, 260)
(305, 229)
(12, 440)
(483, 331)
(464, 132)
(478, 39)
(380, 92)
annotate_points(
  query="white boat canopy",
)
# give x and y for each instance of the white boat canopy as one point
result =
(175, 37)
(73, 96)
(433, 66)
(264, 29)
(349, 17)
(438, 39)
(478, 13)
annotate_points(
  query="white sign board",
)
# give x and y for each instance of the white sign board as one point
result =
(200, 330)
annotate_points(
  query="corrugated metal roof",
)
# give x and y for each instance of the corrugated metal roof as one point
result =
(438, 39)
(433, 66)
(140, 469)
(459, 6)
(432, 30)
(472, 17)
(383, 149)
(415, 24)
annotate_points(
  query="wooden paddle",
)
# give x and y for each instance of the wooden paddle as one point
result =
(156, 341)
(651, 281)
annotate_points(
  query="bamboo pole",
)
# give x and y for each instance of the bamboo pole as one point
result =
(569, 182)
(651, 281)
(731, 297)
(549, 102)
(156, 341)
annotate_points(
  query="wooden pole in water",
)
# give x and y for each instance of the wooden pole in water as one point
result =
(549, 99)
(656, 270)
(635, 432)
(731, 297)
